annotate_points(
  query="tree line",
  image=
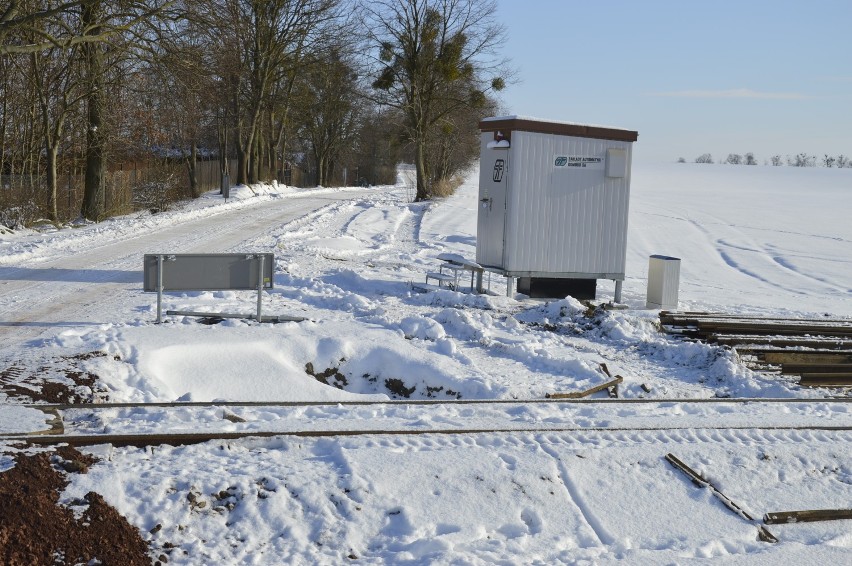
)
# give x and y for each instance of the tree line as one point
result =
(798, 160)
(340, 90)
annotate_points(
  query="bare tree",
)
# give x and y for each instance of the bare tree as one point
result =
(704, 158)
(802, 160)
(258, 41)
(181, 69)
(330, 110)
(55, 77)
(22, 143)
(102, 25)
(433, 57)
(29, 19)
(94, 198)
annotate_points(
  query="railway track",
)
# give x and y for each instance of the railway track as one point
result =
(817, 351)
(130, 424)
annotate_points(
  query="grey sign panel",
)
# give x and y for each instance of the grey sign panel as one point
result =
(209, 272)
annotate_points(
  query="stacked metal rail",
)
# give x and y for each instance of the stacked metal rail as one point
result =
(818, 351)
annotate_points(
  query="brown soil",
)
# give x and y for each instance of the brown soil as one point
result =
(36, 530)
(58, 380)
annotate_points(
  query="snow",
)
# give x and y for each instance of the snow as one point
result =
(751, 238)
(19, 420)
(565, 482)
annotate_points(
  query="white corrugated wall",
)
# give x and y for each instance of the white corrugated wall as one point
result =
(564, 220)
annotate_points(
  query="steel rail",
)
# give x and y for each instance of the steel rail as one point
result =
(426, 402)
(188, 438)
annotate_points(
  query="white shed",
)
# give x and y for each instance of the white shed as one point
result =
(553, 204)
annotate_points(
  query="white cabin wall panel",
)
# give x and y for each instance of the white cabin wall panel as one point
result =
(564, 220)
(491, 205)
(527, 216)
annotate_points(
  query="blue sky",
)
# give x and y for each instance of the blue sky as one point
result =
(719, 77)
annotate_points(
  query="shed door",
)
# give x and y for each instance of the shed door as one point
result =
(491, 221)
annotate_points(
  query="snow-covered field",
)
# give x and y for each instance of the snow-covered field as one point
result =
(754, 240)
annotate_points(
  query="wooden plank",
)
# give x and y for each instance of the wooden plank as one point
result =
(776, 329)
(817, 368)
(826, 380)
(781, 341)
(579, 394)
(697, 479)
(612, 390)
(782, 517)
(801, 357)
(695, 316)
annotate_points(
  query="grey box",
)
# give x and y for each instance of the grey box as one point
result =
(663, 282)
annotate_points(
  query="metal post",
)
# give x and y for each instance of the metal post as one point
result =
(509, 282)
(618, 291)
(259, 284)
(159, 289)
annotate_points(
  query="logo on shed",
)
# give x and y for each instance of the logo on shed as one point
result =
(560, 161)
(499, 166)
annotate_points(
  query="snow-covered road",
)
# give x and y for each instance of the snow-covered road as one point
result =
(77, 289)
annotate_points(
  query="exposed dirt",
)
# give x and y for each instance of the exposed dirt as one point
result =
(59, 380)
(330, 376)
(397, 387)
(36, 529)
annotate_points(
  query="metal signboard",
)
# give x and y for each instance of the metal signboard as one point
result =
(208, 272)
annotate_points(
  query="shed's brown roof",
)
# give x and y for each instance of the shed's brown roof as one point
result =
(514, 124)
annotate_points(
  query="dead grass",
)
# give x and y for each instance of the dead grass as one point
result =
(443, 188)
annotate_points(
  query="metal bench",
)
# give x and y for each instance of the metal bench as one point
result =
(457, 264)
(441, 278)
(452, 269)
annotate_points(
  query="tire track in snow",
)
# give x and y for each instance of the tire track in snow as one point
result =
(722, 248)
(602, 534)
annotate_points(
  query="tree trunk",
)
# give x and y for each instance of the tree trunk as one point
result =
(420, 165)
(242, 165)
(192, 166)
(272, 158)
(4, 121)
(52, 182)
(251, 154)
(328, 174)
(224, 164)
(94, 198)
(255, 159)
(247, 150)
(317, 167)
